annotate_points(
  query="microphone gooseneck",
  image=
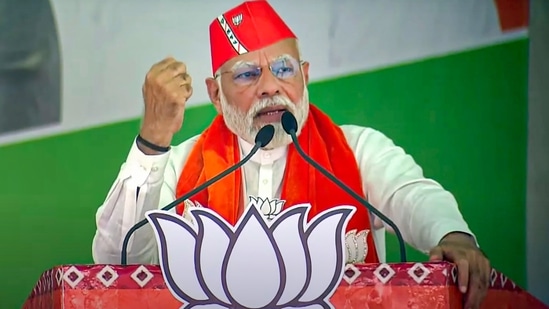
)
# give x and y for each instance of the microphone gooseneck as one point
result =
(263, 137)
(289, 124)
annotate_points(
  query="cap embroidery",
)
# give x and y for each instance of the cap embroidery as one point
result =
(230, 35)
(237, 20)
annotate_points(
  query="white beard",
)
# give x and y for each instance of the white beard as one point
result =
(242, 124)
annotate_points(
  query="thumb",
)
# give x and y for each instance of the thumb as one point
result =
(436, 254)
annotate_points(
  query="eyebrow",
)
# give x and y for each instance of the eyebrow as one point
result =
(284, 57)
(243, 64)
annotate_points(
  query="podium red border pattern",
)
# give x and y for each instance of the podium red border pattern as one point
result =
(403, 283)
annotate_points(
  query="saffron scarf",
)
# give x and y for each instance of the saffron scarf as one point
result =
(217, 149)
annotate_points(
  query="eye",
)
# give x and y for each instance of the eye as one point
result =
(284, 71)
(246, 74)
(283, 68)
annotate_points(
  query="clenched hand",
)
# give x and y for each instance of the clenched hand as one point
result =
(166, 89)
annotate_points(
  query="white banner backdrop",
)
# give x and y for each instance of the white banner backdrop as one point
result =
(106, 47)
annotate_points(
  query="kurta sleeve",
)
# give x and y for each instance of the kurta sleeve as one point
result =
(144, 182)
(420, 207)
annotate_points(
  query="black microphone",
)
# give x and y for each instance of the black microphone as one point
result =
(263, 137)
(289, 124)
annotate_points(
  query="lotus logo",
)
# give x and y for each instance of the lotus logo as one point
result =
(269, 207)
(237, 20)
(283, 263)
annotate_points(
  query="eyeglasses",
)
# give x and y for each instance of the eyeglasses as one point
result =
(282, 68)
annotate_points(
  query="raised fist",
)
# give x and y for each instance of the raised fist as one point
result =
(166, 89)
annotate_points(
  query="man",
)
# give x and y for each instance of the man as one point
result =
(257, 74)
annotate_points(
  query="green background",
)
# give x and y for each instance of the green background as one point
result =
(463, 117)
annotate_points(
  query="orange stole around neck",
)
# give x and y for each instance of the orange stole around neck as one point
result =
(217, 149)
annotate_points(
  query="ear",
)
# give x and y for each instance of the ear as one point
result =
(305, 68)
(213, 92)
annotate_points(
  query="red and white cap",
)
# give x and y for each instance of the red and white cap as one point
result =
(247, 27)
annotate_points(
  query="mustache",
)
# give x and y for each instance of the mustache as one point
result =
(270, 102)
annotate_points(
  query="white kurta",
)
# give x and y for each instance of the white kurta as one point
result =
(393, 182)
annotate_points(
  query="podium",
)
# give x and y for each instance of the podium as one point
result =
(400, 285)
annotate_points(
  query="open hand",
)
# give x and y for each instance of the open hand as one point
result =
(473, 267)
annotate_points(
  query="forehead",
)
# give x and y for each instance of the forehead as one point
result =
(268, 53)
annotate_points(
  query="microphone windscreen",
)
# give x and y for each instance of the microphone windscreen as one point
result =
(289, 123)
(265, 135)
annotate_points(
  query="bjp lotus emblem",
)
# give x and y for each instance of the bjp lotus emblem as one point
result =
(286, 262)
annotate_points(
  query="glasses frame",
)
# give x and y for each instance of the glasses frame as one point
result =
(299, 63)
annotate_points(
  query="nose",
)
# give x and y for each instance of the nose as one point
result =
(268, 85)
